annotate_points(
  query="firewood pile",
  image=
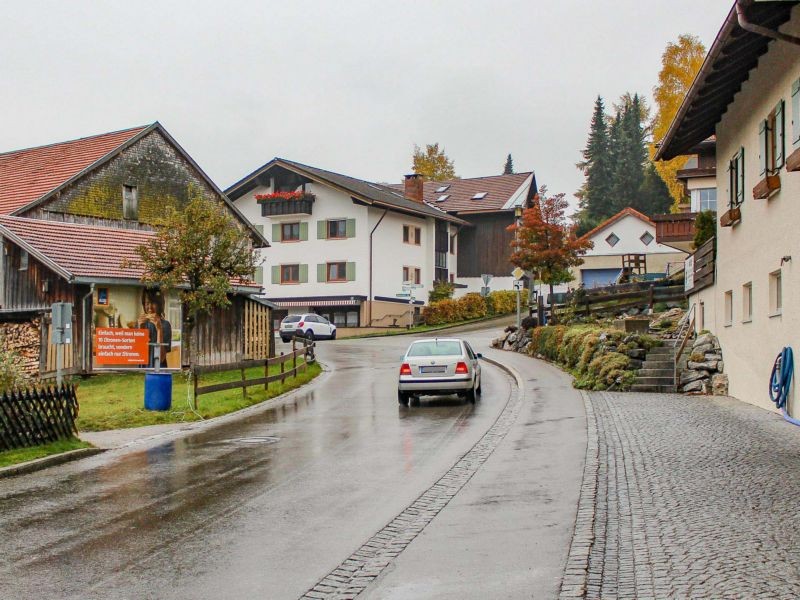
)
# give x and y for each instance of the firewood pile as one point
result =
(24, 339)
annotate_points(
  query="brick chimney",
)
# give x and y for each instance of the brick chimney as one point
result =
(413, 187)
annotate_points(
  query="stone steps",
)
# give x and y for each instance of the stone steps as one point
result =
(658, 371)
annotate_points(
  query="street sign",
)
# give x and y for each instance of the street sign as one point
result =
(62, 322)
(517, 273)
(408, 284)
(404, 295)
(486, 279)
(519, 284)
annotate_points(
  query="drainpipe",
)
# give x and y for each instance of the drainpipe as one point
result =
(85, 339)
(370, 265)
(759, 30)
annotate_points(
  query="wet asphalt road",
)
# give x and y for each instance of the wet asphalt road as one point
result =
(259, 508)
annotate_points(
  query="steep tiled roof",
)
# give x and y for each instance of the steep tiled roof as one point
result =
(379, 194)
(611, 220)
(27, 175)
(83, 251)
(499, 190)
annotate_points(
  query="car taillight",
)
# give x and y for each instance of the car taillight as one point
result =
(301, 323)
(405, 369)
(461, 369)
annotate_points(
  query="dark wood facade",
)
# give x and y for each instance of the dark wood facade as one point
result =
(485, 247)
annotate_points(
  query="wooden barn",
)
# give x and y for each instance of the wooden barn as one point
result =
(71, 217)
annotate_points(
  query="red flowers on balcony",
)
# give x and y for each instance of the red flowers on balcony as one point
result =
(285, 196)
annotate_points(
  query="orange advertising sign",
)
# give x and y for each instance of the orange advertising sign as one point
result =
(117, 346)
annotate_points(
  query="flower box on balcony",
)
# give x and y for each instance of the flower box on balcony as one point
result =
(285, 203)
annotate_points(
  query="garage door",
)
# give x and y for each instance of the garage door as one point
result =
(592, 278)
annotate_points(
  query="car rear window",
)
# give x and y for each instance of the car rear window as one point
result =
(437, 348)
(291, 319)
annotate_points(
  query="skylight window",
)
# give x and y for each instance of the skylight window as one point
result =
(480, 195)
(443, 188)
(443, 197)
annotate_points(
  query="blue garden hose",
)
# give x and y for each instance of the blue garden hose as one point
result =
(780, 382)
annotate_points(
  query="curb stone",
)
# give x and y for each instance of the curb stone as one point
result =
(576, 573)
(45, 462)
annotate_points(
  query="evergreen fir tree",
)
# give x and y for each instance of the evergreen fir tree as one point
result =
(509, 168)
(654, 197)
(629, 156)
(595, 195)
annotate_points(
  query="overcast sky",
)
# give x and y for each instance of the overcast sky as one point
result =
(348, 86)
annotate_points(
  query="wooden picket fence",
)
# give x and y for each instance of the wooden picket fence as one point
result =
(302, 349)
(37, 416)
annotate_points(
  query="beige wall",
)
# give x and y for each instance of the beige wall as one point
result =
(751, 250)
(385, 314)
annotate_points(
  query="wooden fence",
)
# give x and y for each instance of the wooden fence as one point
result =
(702, 264)
(305, 352)
(620, 297)
(37, 416)
(258, 338)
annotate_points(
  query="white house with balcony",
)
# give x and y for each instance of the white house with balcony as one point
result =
(344, 247)
(748, 94)
(628, 237)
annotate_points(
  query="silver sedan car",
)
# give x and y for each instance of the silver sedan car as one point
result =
(439, 366)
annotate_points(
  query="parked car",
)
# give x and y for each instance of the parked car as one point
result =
(439, 367)
(308, 325)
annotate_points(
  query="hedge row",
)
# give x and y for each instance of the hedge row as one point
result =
(471, 306)
(597, 357)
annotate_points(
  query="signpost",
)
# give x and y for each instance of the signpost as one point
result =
(61, 315)
(408, 292)
(517, 274)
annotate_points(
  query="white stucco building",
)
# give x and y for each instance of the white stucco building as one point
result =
(343, 247)
(629, 232)
(754, 304)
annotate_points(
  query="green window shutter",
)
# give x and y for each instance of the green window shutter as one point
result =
(740, 174)
(322, 230)
(350, 269)
(350, 228)
(780, 126)
(258, 275)
(276, 273)
(303, 231)
(276, 232)
(796, 112)
(303, 273)
(321, 275)
(763, 144)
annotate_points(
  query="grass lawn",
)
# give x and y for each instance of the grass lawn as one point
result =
(116, 400)
(13, 457)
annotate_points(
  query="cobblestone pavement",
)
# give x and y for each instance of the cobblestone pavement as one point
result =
(686, 497)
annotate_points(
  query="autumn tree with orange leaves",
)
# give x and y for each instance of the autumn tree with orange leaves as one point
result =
(545, 242)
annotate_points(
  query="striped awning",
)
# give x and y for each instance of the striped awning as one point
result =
(316, 303)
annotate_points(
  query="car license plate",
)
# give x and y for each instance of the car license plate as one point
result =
(436, 369)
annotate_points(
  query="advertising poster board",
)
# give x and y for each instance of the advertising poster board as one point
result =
(135, 328)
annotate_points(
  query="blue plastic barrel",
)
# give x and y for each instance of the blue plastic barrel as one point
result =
(157, 391)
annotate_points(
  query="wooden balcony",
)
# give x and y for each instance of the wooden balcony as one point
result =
(280, 206)
(676, 230)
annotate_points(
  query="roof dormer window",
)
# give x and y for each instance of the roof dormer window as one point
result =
(480, 195)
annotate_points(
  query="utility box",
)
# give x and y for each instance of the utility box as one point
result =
(62, 323)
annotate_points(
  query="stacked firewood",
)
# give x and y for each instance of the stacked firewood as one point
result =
(24, 340)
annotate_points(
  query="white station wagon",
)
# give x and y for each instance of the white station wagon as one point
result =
(439, 367)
